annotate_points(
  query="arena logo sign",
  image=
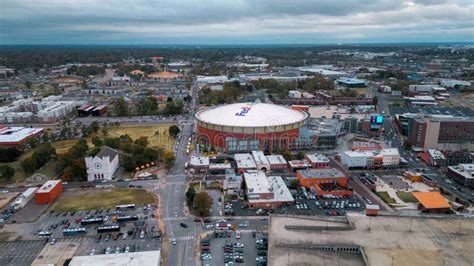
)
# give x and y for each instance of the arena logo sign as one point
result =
(244, 110)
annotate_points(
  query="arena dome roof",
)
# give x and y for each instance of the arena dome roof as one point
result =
(251, 115)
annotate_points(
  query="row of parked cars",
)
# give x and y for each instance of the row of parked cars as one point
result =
(117, 250)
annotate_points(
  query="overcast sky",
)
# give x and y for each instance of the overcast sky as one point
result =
(234, 21)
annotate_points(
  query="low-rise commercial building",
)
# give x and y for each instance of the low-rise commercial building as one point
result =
(244, 162)
(383, 158)
(261, 161)
(317, 160)
(311, 177)
(232, 183)
(462, 174)
(48, 192)
(278, 164)
(266, 191)
(436, 158)
(199, 164)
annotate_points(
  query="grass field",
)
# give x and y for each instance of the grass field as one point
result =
(406, 196)
(385, 197)
(157, 134)
(97, 199)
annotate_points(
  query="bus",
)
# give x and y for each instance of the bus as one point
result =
(44, 233)
(127, 218)
(92, 221)
(125, 206)
(74, 232)
(109, 228)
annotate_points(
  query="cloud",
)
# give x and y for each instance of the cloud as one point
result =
(237, 21)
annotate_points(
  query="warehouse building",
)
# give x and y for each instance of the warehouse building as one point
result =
(13, 136)
(48, 192)
(261, 161)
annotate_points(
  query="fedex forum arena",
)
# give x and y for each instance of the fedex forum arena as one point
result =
(249, 126)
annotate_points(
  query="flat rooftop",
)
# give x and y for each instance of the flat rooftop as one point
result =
(329, 111)
(317, 158)
(143, 258)
(385, 240)
(46, 187)
(16, 134)
(258, 182)
(57, 254)
(276, 159)
(321, 173)
(244, 161)
(199, 160)
(260, 158)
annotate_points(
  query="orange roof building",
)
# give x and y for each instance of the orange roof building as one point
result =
(431, 201)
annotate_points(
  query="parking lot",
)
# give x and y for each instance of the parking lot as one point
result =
(305, 204)
(19, 252)
(134, 229)
(237, 247)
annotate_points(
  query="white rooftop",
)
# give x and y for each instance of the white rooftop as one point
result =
(260, 158)
(199, 160)
(436, 154)
(46, 187)
(15, 134)
(257, 183)
(383, 152)
(122, 259)
(276, 159)
(317, 158)
(244, 161)
(251, 115)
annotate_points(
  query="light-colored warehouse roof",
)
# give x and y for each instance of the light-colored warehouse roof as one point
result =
(123, 259)
(251, 115)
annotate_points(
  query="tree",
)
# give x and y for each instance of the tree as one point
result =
(169, 159)
(105, 131)
(6, 172)
(300, 155)
(375, 100)
(142, 141)
(287, 155)
(147, 106)
(28, 84)
(97, 141)
(173, 131)
(94, 127)
(202, 204)
(28, 165)
(121, 107)
(190, 195)
(407, 144)
(294, 183)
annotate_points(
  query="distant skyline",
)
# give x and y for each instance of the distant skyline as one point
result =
(234, 22)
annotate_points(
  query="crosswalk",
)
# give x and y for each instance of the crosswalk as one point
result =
(175, 218)
(184, 238)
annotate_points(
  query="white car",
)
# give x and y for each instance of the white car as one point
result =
(92, 252)
(173, 241)
(209, 226)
